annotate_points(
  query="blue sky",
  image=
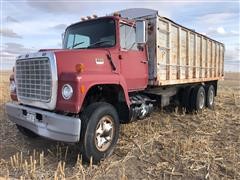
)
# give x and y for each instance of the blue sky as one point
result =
(29, 25)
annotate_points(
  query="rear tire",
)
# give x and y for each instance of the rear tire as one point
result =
(199, 98)
(187, 99)
(27, 132)
(99, 132)
(210, 94)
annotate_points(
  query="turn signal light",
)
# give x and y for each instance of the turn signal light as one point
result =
(79, 68)
(82, 89)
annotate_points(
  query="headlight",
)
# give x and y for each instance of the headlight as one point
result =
(12, 86)
(67, 91)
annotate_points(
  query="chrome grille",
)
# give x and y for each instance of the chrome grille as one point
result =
(34, 80)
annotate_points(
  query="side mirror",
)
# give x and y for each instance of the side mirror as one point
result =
(140, 32)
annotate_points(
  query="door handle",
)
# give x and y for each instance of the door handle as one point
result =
(144, 62)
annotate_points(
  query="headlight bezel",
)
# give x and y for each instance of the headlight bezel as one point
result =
(67, 91)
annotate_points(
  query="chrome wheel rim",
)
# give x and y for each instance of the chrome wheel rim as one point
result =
(201, 100)
(104, 133)
(211, 96)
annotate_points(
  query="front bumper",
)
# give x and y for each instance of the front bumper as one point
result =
(49, 125)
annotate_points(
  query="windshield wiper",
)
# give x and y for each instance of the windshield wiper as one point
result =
(98, 43)
(76, 45)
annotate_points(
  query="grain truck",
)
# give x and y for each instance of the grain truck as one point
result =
(111, 70)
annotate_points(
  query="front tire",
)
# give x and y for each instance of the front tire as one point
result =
(100, 131)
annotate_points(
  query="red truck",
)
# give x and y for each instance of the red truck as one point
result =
(112, 70)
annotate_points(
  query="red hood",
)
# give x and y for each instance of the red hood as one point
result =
(94, 60)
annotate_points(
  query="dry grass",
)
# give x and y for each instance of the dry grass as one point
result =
(168, 145)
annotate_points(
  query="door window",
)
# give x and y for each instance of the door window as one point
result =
(128, 37)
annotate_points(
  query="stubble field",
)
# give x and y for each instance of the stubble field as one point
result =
(167, 145)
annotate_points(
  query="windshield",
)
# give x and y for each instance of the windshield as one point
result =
(90, 34)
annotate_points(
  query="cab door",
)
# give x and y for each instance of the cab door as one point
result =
(133, 61)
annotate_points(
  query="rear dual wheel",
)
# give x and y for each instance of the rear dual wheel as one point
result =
(196, 97)
(210, 94)
(199, 98)
(187, 98)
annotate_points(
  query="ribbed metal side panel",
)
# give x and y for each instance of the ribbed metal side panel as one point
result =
(34, 80)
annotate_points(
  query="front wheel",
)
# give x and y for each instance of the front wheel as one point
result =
(100, 131)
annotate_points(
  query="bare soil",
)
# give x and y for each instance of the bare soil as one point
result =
(169, 144)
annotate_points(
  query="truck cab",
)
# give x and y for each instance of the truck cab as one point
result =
(114, 39)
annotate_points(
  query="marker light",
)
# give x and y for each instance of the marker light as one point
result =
(79, 68)
(116, 14)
